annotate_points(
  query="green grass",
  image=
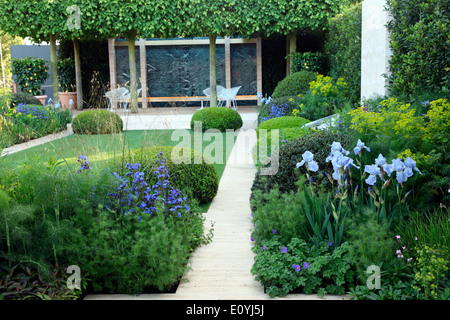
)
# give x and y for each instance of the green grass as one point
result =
(98, 148)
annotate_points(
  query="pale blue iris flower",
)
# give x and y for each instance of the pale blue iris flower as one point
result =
(380, 161)
(308, 158)
(359, 146)
(373, 171)
(410, 163)
(404, 170)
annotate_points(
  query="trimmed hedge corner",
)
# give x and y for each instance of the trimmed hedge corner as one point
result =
(219, 118)
(97, 122)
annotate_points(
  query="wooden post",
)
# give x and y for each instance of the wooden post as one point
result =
(259, 67)
(143, 58)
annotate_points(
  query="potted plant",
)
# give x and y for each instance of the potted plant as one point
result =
(30, 75)
(66, 74)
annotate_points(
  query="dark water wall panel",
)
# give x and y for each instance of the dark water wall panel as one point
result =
(123, 66)
(182, 70)
(243, 68)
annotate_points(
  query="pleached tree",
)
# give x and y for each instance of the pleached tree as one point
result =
(135, 19)
(212, 19)
(289, 17)
(42, 21)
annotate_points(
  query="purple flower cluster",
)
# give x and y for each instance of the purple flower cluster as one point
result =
(275, 112)
(134, 192)
(297, 267)
(34, 111)
(84, 164)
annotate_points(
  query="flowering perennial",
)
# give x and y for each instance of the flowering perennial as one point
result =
(133, 192)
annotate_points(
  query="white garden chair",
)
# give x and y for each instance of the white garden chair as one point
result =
(127, 97)
(115, 95)
(219, 89)
(230, 95)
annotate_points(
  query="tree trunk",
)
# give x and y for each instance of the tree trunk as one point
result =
(212, 70)
(291, 47)
(133, 75)
(54, 68)
(76, 53)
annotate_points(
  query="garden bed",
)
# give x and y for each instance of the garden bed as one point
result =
(364, 198)
(62, 194)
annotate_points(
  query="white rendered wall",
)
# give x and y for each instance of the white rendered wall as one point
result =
(375, 50)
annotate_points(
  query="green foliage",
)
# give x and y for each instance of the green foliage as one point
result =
(124, 255)
(6, 42)
(343, 48)
(325, 97)
(431, 227)
(293, 85)
(282, 17)
(282, 122)
(22, 281)
(22, 97)
(130, 253)
(30, 74)
(372, 241)
(198, 180)
(291, 153)
(219, 118)
(420, 60)
(432, 265)
(320, 269)
(289, 134)
(280, 212)
(307, 61)
(66, 74)
(97, 122)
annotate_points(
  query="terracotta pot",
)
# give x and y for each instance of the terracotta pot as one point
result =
(42, 99)
(64, 98)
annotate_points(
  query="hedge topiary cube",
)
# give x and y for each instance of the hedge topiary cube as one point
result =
(97, 122)
(219, 118)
